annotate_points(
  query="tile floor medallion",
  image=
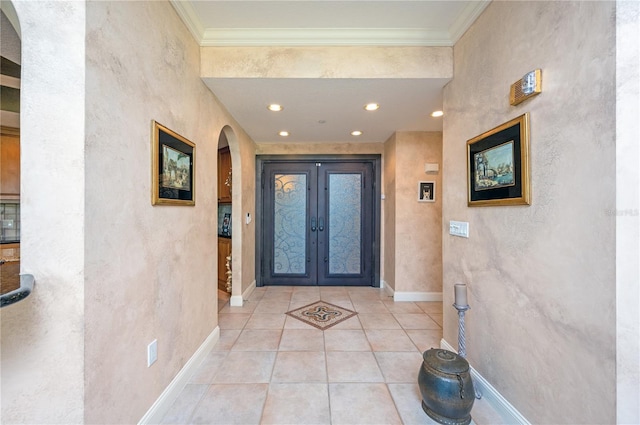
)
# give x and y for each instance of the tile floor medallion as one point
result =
(321, 314)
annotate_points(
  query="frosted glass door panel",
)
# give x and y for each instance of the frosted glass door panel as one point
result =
(289, 222)
(317, 223)
(345, 224)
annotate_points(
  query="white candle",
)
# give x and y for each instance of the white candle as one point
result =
(461, 294)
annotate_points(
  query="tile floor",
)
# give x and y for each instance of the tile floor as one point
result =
(269, 368)
(223, 299)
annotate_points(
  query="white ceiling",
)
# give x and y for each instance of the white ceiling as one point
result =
(328, 109)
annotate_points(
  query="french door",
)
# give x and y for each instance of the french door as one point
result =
(318, 223)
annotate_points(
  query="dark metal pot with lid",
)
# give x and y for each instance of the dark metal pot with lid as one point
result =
(446, 387)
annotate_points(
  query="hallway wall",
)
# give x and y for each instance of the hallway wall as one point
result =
(412, 229)
(418, 225)
(318, 148)
(42, 336)
(389, 213)
(150, 271)
(542, 277)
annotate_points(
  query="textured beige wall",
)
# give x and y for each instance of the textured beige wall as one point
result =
(389, 213)
(327, 62)
(541, 278)
(418, 258)
(42, 336)
(150, 271)
(318, 148)
(243, 159)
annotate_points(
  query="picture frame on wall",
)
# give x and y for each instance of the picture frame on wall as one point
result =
(427, 191)
(498, 165)
(226, 224)
(173, 168)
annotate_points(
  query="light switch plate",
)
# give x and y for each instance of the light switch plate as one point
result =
(459, 228)
(152, 352)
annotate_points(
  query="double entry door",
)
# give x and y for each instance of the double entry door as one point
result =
(318, 223)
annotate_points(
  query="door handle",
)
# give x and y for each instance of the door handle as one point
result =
(313, 224)
(321, 224)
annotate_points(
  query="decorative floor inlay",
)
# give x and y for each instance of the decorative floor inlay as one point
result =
(321, 314)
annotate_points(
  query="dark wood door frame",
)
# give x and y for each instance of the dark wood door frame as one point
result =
(376, 162)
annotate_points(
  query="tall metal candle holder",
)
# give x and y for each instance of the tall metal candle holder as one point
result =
(462, 350)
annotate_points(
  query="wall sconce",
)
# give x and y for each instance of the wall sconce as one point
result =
(431, 167)
(526, 87)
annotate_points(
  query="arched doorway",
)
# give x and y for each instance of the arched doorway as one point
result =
(229, 216)
(225, 231)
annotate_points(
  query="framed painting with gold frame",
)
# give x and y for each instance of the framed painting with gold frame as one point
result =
(498, 165)
(173, 168)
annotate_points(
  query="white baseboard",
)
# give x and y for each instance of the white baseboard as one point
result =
(247, 292)
(410, 296)
(238, 300)
(417, 296)
(163, 403)
(501, 405)
(388, 289)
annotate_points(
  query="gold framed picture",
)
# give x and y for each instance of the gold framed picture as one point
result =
(173, 168)
(498, 165)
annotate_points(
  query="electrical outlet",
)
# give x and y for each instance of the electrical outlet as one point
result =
(152, 352)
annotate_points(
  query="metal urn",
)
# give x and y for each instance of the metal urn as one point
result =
(446, 387)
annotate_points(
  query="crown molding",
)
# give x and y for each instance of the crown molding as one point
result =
(324, 37)
(218, 37)
(188, 15)
(466, 18)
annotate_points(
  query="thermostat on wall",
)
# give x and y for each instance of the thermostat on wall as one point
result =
(431, 167)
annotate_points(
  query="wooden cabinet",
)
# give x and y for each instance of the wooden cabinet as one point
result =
(224, 250)
(224, 197)
(224, 175)
(9, 164)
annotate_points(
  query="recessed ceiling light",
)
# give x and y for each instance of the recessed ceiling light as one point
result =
(356, 133)
(274, 107)
(371, 107)
(284, 133)
(437, 114)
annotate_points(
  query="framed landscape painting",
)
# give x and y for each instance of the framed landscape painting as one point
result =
(173, 167)
(498, 165)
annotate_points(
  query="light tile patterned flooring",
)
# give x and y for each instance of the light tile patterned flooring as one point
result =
(269, 368)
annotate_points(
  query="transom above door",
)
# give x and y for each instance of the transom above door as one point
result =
(319, 222)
